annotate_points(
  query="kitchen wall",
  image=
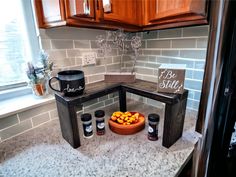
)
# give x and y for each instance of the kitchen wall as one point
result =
(180, 46)
(66, 45)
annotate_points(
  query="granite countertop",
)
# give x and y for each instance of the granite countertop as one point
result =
(43, 152)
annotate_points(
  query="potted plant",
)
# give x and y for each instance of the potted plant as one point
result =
(39, 74)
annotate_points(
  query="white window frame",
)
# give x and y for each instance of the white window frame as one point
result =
(31, 28)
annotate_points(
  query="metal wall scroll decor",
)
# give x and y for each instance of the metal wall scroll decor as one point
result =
(126, 45)
(118, 39)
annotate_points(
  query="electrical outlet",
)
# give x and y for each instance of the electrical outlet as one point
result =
(89, 59)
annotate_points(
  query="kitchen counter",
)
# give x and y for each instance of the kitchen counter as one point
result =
(43, 152)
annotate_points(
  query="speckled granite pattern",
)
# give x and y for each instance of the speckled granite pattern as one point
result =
(43, 152)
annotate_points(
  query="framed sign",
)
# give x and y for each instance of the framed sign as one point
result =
(171, 78)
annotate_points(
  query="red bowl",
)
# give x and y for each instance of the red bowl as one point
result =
(127, 129)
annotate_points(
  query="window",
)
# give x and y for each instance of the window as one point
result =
(18, 42)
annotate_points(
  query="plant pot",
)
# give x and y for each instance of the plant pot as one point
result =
(39, 89)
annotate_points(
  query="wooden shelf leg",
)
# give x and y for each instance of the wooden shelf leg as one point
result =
(122, 100)
(174, 122)
(68, 123)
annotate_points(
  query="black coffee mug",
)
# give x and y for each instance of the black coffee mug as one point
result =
(71, 82)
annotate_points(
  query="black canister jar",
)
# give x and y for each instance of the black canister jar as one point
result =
(87, 125)
(100, 122)
(71, 82)
(153, 121)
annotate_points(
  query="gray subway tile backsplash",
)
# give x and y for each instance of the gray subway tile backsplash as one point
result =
(55, 54)
(63, 62)
(82, 44)
(116, 59)
(95, 78)
(70, 33)
(202, 43)
(158, 43)
(8, 121)
(195, 31)
(154, 103)
(46, 44)
(195, 104)
(192, 84)
(151, 52)
(163, 60)
(145, 71)
(199, 64)
(35, 111)
(62, 44)
(16, 129)
(142, 58)
(89, 70)
(103, 98)
(113, 95)
(152, 65)
(198, 75)
(191, 94)
(189, 74)
(91, 102)
(150, 35)
(39, 119)
(104, 61)
(152, 59)
(78, 61)
(53, 114)
(189, 64)
(140, 64)
(193, 54)
(197, 95)
(171, 53)
(184, 43)
(108, 102)
(150, 78)
(74, 53)
(113, 67)
(170, 33)
(95, 106)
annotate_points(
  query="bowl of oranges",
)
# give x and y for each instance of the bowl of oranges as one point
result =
(126, 123)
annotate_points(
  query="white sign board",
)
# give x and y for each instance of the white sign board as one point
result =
(171, 78)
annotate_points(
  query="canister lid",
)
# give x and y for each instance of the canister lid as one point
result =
(154, 117)
(86, 117)
(99, 113)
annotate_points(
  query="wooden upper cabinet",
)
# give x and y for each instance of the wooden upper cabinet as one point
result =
(168, 11)
(122, 11)
(131, 15)
(50, 13)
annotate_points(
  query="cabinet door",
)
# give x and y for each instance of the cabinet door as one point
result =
(80, 9)
(50, 13)
(122, 11)
(165, 11)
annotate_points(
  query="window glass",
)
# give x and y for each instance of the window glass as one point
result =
(14, 43)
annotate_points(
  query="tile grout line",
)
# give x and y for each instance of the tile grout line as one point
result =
(9, 126)
(50, 41)
(179, 37)
(157, 49)
(18, 118)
